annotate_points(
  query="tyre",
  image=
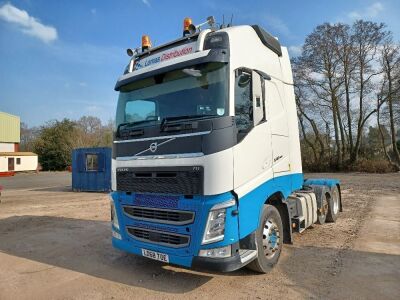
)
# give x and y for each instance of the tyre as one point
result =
(323, 210)
(334, 205)
(269, 238)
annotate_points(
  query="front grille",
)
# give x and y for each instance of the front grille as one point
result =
(166, 216)
(161, 181)
(159, 237)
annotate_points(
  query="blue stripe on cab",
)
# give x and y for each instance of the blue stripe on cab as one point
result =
(250, 205)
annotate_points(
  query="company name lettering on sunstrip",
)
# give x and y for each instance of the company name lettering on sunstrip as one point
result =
(163, 57)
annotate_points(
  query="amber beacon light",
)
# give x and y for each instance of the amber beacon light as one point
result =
(146, 44)
(188, 27)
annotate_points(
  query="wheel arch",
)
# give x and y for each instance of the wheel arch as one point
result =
(278, 201)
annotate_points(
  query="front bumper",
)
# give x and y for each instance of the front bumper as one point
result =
(228, 264)
(187, 255)
(127, 246)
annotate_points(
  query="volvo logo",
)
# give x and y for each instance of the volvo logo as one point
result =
(153, 147)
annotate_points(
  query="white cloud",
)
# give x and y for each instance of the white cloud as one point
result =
(369, 12)
(27, 24)
(295, 50)
(147, 3)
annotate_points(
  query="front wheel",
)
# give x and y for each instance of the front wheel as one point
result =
(269, 238)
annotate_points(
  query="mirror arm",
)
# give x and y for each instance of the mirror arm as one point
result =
(264, 75)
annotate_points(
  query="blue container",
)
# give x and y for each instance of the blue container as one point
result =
(91, 169)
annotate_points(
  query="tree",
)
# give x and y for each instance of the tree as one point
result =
(373, 141)
(367, 37)
(91, 132)
(336, 78)
(28, 136)
(55, 143)
(390, 91)
(318, 74)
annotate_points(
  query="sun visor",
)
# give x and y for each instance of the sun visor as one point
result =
(214, 55)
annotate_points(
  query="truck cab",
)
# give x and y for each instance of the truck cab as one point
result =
(206, 163)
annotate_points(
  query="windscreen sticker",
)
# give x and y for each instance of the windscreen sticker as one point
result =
(220, 111)
(164, 56)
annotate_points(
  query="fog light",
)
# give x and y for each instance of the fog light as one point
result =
(116, 235)
(217, 252)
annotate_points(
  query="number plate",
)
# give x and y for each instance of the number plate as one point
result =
(155, 255)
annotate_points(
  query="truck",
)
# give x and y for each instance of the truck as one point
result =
(206, 162)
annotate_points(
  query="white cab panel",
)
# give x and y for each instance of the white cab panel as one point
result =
(279, 126)
(253, 155)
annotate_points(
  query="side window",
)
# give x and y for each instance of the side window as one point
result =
(243, 101)
(18, 160)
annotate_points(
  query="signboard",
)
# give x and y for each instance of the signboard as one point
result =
(165, 55)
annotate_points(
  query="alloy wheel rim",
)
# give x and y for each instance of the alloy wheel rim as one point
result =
(271, 238)
(335, 199)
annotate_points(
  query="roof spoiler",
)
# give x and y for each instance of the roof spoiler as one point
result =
(268, 40)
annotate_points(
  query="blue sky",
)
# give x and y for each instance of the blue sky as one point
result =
(62, 58)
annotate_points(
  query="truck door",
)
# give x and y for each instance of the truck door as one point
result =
(279, 127)
(252, 154)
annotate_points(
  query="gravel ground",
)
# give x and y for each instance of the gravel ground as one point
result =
(56, 244)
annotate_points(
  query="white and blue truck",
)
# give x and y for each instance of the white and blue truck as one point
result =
(206, 166)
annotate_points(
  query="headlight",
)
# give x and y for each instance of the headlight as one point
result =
(217, 252)
(114, 217)
(215, 228)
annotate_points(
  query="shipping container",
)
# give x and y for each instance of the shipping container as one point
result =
(91, 169)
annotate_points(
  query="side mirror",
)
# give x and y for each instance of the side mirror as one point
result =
(244, 80)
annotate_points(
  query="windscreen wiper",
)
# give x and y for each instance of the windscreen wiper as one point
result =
(177, 127)
(133, 124)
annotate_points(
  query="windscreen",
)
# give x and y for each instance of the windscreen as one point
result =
(200, 90)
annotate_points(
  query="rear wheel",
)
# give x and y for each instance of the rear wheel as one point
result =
(323, 210)
(269, 238)
(334, 205)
